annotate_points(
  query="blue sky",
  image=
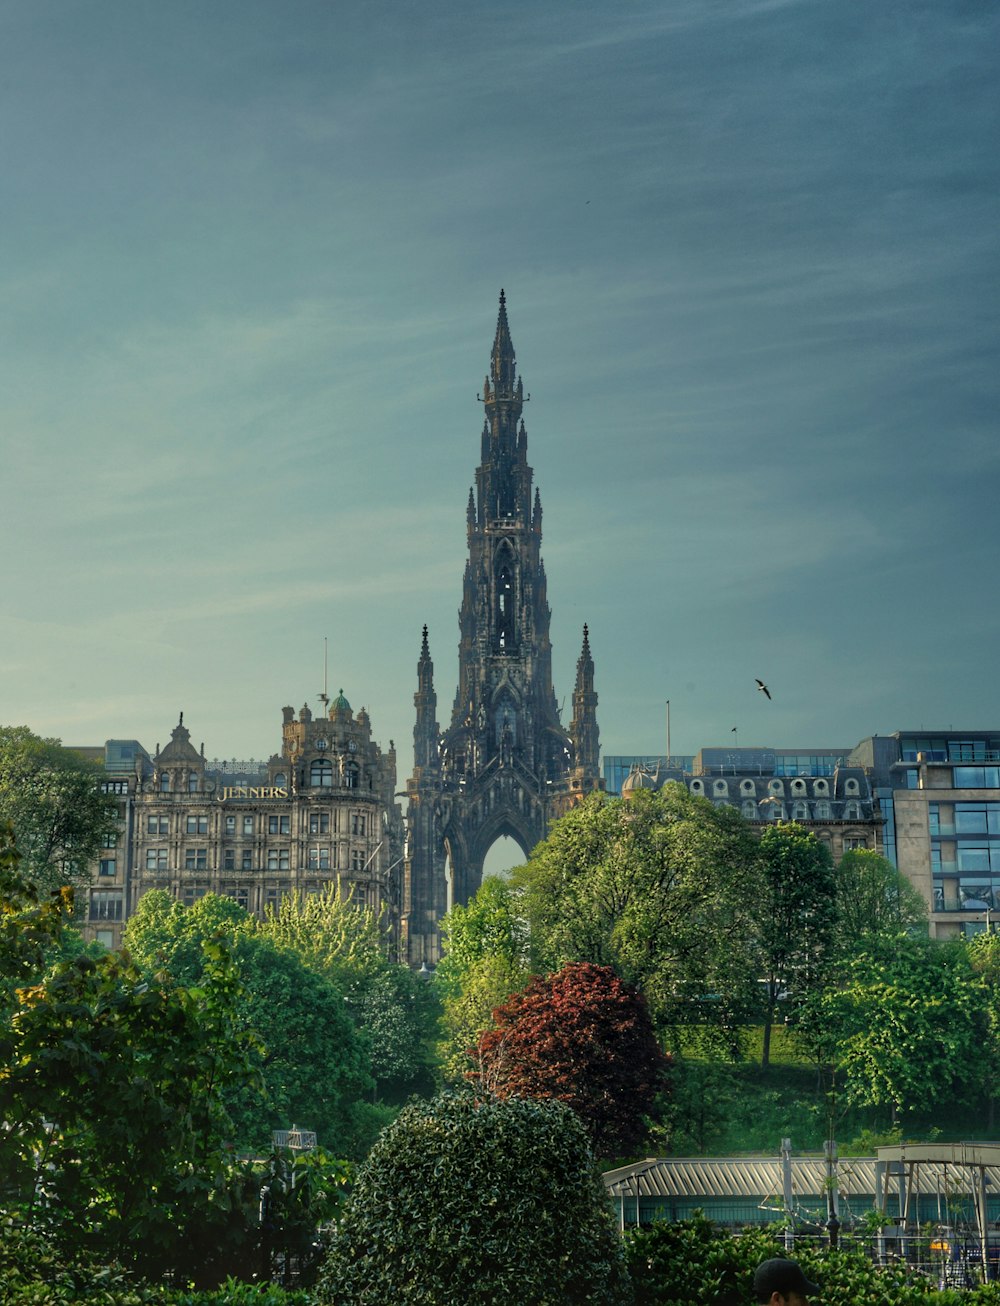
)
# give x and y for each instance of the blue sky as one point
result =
(250, 255)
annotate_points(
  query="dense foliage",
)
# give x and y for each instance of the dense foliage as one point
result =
(660, 887)
(585, 1038)
(796, 916)
(464, 1200)
(691, 1262)
(52, 798)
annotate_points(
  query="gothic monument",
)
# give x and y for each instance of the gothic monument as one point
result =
(505, 765)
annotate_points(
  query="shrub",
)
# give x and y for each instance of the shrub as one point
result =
(494, 1202)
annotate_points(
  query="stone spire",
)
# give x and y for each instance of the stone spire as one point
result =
(583, 728)
(425, 731)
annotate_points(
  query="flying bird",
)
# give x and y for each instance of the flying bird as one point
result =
(762, 687)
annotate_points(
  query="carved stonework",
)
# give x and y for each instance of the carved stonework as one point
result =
(505, 766)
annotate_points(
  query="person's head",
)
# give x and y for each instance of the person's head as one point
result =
(780, 1282)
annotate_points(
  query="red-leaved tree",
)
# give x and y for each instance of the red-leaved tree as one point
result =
(584, 1037)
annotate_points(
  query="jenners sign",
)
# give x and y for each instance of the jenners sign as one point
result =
(251, 791)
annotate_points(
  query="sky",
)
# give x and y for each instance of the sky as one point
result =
(250, 259)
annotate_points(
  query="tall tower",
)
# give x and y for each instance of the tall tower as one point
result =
(505, 765)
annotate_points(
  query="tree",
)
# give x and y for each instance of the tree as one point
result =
(796, 912)
(910, 1022)
(873, 900)
(344, 942)
(484, 962)
(111, 1097)
(660, 887)
(333, 935)
(52, 798)
(314, 1066)
(584, 1038)
(491, 1202)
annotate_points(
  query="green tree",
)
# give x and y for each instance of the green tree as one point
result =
(874, 900)
(984, 955)
(582, 1037)
(491, 1202)
(660, 887)
(346, 944)
(314, 1066)
(796, 914)
(484, 962)
(111, 1094)
(52, 798)
(909, 1021)
(333, 935)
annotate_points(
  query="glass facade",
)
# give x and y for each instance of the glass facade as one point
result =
(965, 854)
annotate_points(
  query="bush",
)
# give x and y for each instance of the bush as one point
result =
(463, 1200)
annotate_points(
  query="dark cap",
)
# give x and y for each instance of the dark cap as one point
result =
(781, 1276)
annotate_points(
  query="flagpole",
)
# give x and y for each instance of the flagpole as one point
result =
(669, 754)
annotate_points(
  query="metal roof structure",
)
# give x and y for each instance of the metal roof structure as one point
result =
(942, 1167)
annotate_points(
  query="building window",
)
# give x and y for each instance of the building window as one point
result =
(246, 860)
(357, 860)
(157, 825)
(106, 938)
(156, 859)
(229, 860)
(822, 811)
(192, 783)
(240, 894)
(319, 859)
(277, 859)
(165, 783)
(350, 776)
(279, 825)
(852, 811)
(197, 825)
(850, 786)
(196, 859)
(319, 822)
(750, 809)
(110, 841)
(800, 811)
(358, 823)
(108, 866)
(192, 892)
(977, 777)
(321, 774)
(853, 842)
(230, 824)
(821, 788)
(248, 825)
(114, 787)
(977, 818)
(280, 779)
(106, 904)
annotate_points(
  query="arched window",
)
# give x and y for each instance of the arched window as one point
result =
(720, 788)
(850, 786)
(697, 787)
(321, 774)
(821, 788)
(798, 786)
(749, 809)
(852, 811)
(747, 787)
(775, 787)
(822, 811)
(800, 811)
